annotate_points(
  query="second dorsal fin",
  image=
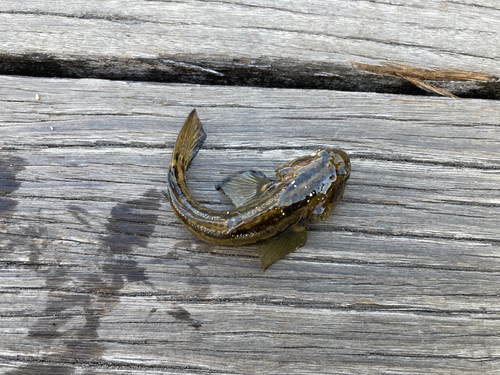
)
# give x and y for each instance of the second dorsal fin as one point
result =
(244, 187)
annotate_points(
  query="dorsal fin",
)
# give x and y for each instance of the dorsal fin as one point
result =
(244, 187)
(190, 139)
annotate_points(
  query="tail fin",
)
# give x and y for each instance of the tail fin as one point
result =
(190, 139)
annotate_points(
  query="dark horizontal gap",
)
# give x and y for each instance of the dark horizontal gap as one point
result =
(265, 73)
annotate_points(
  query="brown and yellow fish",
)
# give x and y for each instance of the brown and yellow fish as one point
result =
(271, 215)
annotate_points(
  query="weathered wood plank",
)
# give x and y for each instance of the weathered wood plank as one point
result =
(302, 44)
(98, 276)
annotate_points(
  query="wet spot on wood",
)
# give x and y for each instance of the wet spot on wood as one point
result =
(181, 313)
(69, 324)
(130, 225)
(10, 167)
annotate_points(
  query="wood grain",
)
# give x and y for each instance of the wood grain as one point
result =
(304, 44)
(99, 277)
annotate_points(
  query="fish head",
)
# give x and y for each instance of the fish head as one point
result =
(333, 162)
(315, 182)
(335, 171)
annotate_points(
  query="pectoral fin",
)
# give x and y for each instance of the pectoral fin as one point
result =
(244, 187)
(282, 245)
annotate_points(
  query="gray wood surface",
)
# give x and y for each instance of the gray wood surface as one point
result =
(297, 44)
(97, 276)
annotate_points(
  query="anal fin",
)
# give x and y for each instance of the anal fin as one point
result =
(244, 187)
(282, 245)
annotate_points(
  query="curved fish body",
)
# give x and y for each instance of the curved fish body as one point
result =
(271, 215)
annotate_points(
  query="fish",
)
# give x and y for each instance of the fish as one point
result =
(270, 215)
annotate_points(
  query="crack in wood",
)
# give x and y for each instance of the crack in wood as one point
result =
(269, 73)
(418, 76)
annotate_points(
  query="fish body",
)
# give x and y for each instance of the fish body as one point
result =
(271, 215)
